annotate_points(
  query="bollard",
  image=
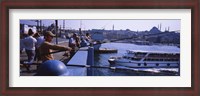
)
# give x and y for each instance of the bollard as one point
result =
(52, 68)
(90, 61)
(90, 57)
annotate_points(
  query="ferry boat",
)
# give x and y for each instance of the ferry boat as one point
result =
(106, 50)
(147, 59)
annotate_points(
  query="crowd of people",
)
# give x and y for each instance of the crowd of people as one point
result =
(75, 42)
(40, 48)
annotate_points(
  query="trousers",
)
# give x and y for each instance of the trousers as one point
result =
(31, 55)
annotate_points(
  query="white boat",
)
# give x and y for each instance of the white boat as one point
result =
(147, 59)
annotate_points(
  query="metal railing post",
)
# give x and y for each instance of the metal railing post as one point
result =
(90, 57)
(90, 61)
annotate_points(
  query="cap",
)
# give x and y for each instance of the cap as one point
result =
(49, 33)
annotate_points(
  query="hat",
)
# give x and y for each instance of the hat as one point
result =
(49, 33)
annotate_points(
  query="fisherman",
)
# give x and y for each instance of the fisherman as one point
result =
(29, 45)
(74, 43)
(40, 40)
(88, 37)
(86, 40)
(46, 48)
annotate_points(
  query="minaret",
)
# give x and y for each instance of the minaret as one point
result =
(160, 26)
(113, 27)
(63, 24)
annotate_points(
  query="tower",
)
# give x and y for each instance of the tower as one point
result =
(113, 28)
(160, 26)
(63, 24)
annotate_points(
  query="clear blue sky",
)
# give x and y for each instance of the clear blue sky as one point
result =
(134, 25)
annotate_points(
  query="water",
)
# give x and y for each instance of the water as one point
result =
(102, 60)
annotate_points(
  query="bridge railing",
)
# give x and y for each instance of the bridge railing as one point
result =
(82, 59)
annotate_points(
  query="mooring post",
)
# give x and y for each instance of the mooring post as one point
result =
(90, 61)
(90, 57)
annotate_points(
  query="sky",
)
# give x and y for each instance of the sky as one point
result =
(134, 25)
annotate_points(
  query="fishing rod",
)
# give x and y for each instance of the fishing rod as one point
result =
(91, 46)
(76, 65)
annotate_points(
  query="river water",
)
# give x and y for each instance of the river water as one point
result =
(102, 60)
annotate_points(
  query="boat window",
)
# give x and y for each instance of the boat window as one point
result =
(157, 64)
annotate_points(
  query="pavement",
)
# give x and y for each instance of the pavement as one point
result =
(33, 68)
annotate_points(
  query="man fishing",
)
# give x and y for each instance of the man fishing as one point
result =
(74, 43)
(47, 48)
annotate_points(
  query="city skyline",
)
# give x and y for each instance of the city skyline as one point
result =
(133, 24)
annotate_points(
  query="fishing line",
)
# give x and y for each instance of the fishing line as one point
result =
(90, 46)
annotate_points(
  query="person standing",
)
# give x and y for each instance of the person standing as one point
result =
(74, 43)
(40, 40)
(47, 48)
(88, 39)
(29, 45)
